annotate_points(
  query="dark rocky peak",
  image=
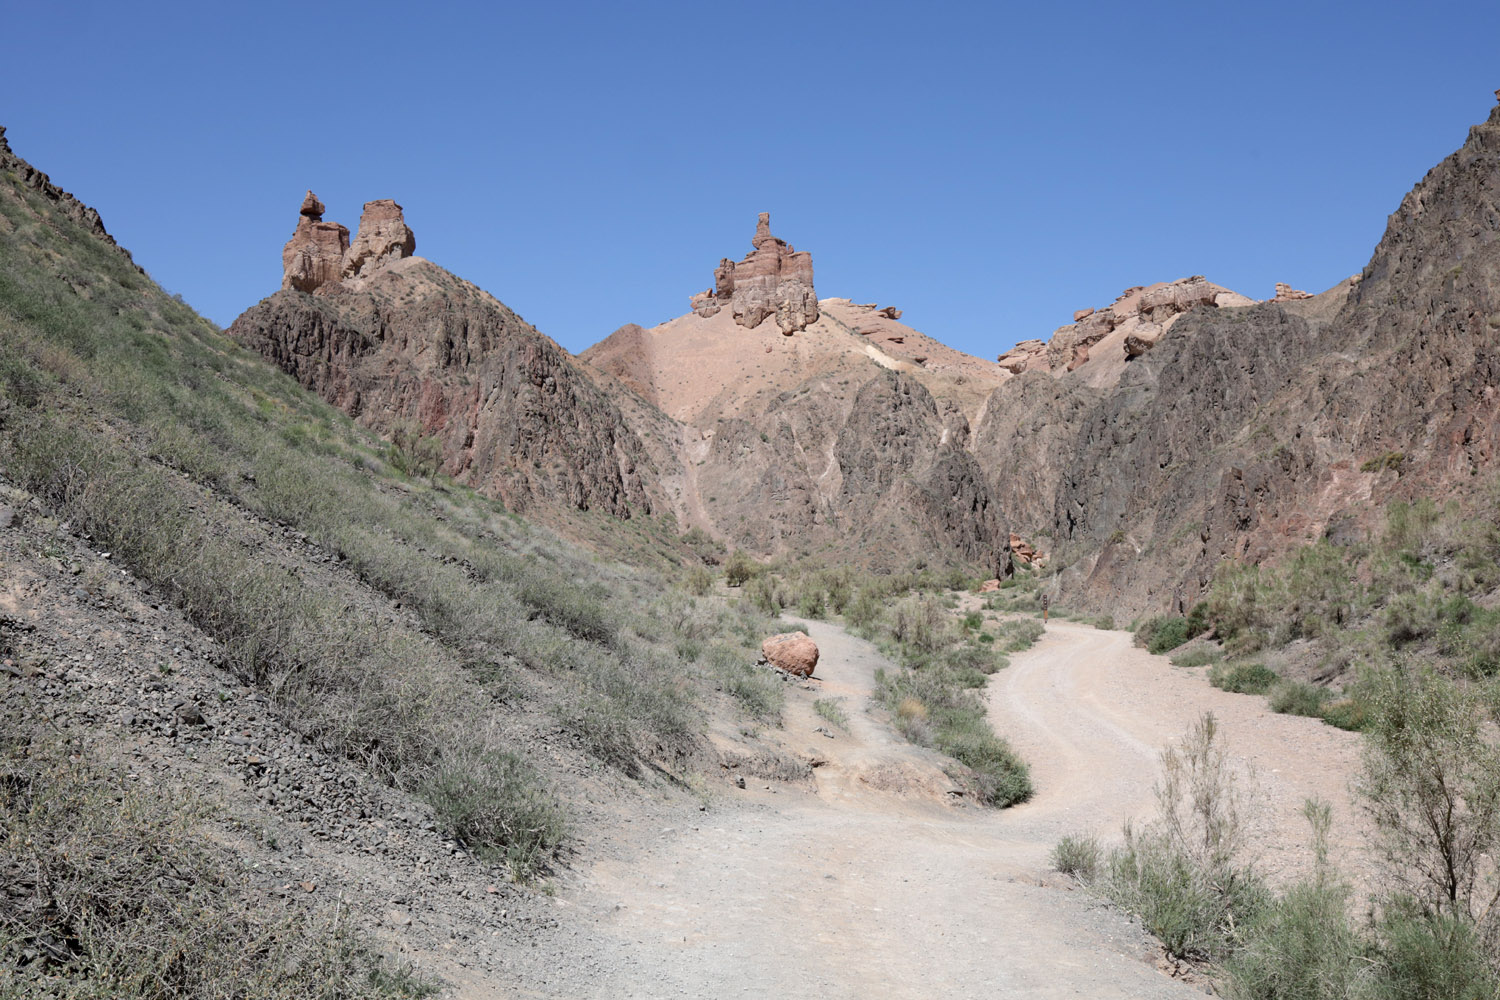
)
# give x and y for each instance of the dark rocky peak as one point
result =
(774, 279)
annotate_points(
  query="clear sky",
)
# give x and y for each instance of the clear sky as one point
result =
(988, 168)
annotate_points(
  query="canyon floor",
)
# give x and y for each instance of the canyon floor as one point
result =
(872, 886)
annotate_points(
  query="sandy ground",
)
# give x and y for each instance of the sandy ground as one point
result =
(871, 887)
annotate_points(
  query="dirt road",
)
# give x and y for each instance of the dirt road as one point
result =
(874, 888)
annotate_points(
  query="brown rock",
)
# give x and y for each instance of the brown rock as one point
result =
(989, 586)
(890, 312)
(1082, 315)
(793, 652)
(314, 256)
(383, 237)
(1286, 293)
(772, 280)
(312, 207)
(704, 304)
(1160, 304)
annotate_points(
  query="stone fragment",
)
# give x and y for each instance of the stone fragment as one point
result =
(890, 312)
(1082, 315)
(793, 652)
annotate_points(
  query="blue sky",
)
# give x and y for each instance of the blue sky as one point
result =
(988, 168)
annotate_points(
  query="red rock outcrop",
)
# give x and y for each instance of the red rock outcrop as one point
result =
(383, 237)
(1286, 293)
(411, 346)
(774, 279)
(314, 256)
(793, 652)
(319, 253)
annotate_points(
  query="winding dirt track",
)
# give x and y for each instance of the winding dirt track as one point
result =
(873, 887)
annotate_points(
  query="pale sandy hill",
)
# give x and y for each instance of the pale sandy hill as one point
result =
(698, 370)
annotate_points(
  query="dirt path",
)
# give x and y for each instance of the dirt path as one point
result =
(874, 888)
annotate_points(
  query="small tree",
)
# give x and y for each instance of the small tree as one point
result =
(1431, 783)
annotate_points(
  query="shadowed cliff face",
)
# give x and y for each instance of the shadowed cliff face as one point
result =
(1251, 431)
(513, 416)
(877, 470)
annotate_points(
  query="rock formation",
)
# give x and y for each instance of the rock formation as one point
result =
(792, 652)
(411, 346)
(319, 253)
(773, 280)
(383, 236)
(314, 256)
(1129, 327)
(1286, 293)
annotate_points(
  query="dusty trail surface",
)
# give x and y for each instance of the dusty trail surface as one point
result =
(874, 886)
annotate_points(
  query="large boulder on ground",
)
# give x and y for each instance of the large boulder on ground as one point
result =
(793, 652)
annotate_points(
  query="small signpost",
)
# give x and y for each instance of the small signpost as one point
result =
(1046, 603)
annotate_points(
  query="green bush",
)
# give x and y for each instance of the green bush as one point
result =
(1079, 856)
(1200, 657)
(1303, 944)
(739, 568)
(1428, 956)
(1243, 678)
(1163, 633)
(1298, 698)
(494, 803)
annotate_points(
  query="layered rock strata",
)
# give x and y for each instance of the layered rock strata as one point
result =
(774, 279)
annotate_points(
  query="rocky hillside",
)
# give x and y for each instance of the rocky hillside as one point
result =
(412, 351)
(1250, 431)
(1147, 441)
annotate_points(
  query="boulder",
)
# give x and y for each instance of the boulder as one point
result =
(1286, 293)
(890, 312)
(1082, 315)
(793, 652)
(989, 586)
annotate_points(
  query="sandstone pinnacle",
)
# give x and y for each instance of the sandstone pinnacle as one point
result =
(774, 279)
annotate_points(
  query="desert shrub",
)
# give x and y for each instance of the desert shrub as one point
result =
(933, 708)
(1163, 633)
(1201, 657)
(973, 621)
(757, 691)
(699, 580)
(119, 890)
(1182, 873)
(493, 802)
(832, 711)
(810, 601)
(1079, 856)
(1298, 698)
(1105, 623)
(767, 593)
(739, 568)
(1430, 956)
(1019, 634)
(1302, 944)
(1242, 678)
(1431, 783)
(863, 610)
(922, 623)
